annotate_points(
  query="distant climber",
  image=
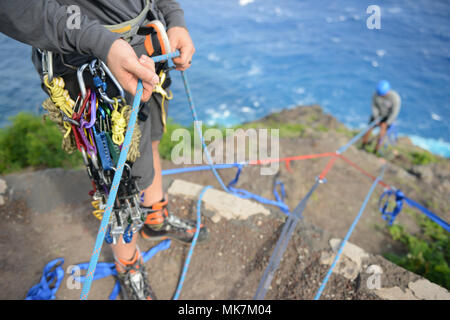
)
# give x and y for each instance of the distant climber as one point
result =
(385, 106)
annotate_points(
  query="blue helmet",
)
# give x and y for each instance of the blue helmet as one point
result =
(383, 87)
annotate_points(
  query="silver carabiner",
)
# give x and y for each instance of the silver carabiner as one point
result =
(81, 80)
(47, 63)
(114, 80)
(104, 69)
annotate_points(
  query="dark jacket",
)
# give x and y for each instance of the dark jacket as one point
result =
(44, 24)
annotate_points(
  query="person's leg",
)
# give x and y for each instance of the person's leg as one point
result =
(160, 223)
(124, 251)
(366, 138)
(154, 193)
(383, 130)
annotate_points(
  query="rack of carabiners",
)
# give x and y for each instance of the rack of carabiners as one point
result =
(95, 125)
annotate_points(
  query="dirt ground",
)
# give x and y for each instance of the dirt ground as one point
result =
(228, 266)
(47, 216)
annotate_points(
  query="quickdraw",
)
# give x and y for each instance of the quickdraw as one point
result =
(97, 123)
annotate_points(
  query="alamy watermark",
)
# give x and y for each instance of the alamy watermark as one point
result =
(374, 20)
(74, 273)
(74, 19)
(374, 281)
(227, 147)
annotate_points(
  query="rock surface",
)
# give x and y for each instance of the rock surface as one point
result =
(46, 215)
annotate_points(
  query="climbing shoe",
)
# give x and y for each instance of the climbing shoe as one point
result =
(133, 278)
(160, 224)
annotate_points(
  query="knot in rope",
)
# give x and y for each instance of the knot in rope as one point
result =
(119, 123)
(61, 98)
(390, 215)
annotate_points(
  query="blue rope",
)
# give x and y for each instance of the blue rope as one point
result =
(194, 242)
(357, 137)
(199, 131)
(244, 194)
(283, 195)
(349, 233)
(106, 269)
(399, 199)
(390, 216)
(42, 290)
(113, 192)
(198, 168)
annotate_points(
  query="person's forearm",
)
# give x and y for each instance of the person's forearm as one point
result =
(375, 112)
(44, 24)
(172, 12)
(393, 115)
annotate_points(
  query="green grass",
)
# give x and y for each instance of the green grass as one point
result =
(412, 156)
(31, 142)
(428, 254)
(322, 128)
(422, 158)
(286, 130)
(347, 132)
(166, 145)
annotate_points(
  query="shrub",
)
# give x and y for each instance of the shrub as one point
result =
(422, 158)
(428, 253)
(31, 142)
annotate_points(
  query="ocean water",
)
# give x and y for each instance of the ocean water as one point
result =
(258, 56)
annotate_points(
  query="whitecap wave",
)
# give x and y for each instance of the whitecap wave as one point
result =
(254, 70)
(278, 11)
(335, 39)
(299, 90)
(381, 53)
(439, 147)
(213, 57)
(243, 3)
(436, 117)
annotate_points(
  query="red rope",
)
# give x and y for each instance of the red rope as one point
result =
(289, 159)
(354, 165)
(334, 156)
(328, 167)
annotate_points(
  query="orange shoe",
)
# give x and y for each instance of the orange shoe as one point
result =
(160, 224)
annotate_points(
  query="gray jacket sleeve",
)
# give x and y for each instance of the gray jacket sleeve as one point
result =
(395, 108)
(43, 24)
(172, 12)
(375, 111)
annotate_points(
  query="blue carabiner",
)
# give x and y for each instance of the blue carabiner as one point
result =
(128, 234)
(108, 237)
